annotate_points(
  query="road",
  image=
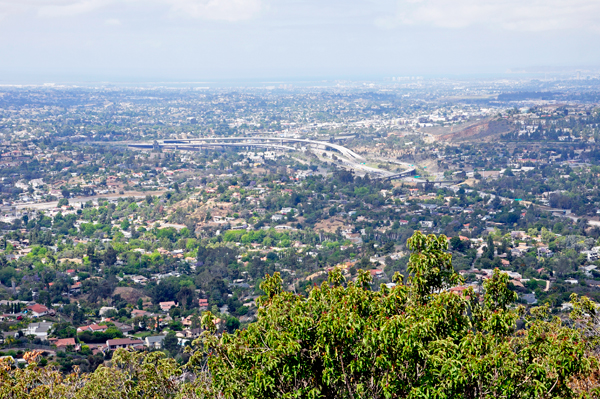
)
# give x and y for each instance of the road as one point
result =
(357, 167)
(80, 200)
(250, 141)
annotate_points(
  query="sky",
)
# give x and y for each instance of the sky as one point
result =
(208, 40)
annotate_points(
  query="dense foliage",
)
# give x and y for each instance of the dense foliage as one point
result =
(416, 339)
(413, 340)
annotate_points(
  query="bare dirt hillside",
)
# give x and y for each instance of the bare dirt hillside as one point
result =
(483, 131)
(330, 225)
(129, 294)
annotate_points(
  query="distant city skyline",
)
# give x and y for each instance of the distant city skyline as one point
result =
(220, 40)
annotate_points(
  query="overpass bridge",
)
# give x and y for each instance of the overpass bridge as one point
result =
(395, 176)
(266, 142)
(198, 147)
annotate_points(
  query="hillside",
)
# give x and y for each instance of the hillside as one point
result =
(482, 131)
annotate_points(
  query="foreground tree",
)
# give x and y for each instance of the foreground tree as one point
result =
(131, 375)
(415, 340)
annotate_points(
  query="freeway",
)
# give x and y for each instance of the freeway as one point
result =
(394, 176)
(82, 200)
(350, 158)
(191, 146)
(256, 140)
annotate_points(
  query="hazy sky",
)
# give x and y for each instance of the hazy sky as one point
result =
(277, 39)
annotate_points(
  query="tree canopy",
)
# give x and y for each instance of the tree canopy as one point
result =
(413, 340)
(417, 338)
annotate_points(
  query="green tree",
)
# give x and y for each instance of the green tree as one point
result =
(110, 256)
(414, 340)
(490, 247)
(459, 245)
(345, 340)
(170, 343)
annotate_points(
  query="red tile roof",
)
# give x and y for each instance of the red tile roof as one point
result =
(93, 327)
(37, 308)
(64, 342)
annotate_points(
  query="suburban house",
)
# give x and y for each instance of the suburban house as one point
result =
(37, 310)
(113, 344)
(139, 313)
(192, 332)
(121, 326)
(203, 304)
(92, 328)
(139, 279)
(166, 306)
(377, 273)
(75, 288)
(593, 254)
(64, 342)
(154, 342)
(544, 251)
(105, 309)
(40, 330)
(187, 321)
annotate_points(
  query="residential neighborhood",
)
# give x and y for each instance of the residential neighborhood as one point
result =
(123, 223)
